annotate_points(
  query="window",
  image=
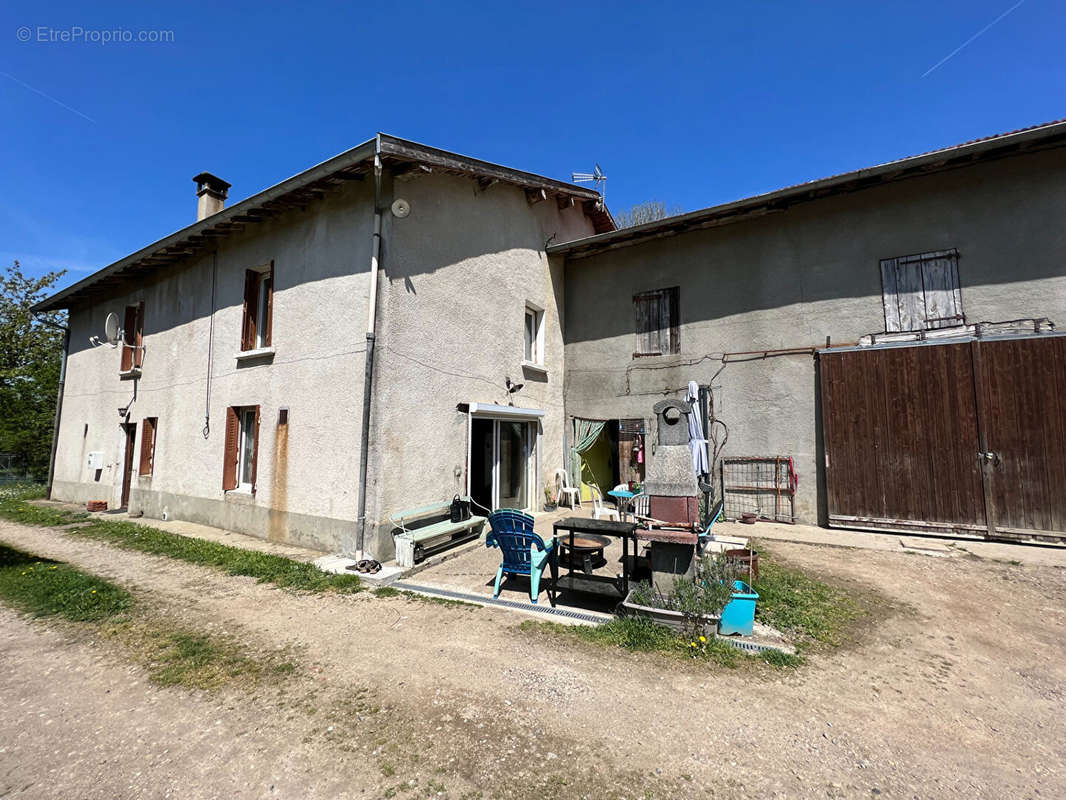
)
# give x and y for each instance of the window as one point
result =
(534, 336)
(258, 307)
(133, 338)
(148, 429)
(658, 322)
(242, 446)
(921, 292)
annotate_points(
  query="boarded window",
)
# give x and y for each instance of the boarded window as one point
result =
(133, 337)
(658, 322)
(921, 292)
(239, 467)
(258, 308)
(148, 431)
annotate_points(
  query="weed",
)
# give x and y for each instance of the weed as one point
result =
(48, 588)
(388, 770)
(389, 591)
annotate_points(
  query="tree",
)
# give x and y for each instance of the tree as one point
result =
(641, 213)
(31, 347)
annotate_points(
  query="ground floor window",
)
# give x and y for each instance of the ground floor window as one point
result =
(242, 445)
(502, 462)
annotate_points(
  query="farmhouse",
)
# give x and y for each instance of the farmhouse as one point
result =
(399, 325)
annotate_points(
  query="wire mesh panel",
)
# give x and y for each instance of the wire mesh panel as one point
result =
(761, 485)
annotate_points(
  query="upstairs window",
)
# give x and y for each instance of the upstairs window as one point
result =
(533, 352)
(133, 338)
(921, 292)
(658, 322)
(242, 448)
(148, 429)
(258, 307)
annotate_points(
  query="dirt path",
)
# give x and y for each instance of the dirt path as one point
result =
(958, 692)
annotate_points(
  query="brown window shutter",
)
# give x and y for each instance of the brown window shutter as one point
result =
(147, 446)
(251, 304)
(255, 450)
(229, 464)
(129, 337)
(268, 323)
(138, 340)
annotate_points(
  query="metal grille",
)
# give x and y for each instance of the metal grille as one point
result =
(760, 485)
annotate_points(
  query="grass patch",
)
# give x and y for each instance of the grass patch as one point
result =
(264, 567)
(801, 606)
(44, 588)
(640, 635)
(389, 591)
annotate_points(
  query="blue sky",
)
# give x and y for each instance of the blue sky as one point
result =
(691, 104)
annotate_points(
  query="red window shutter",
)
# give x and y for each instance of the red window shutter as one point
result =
(229, 464)
(251, 284)
(268, 323)
(138, 340)
(255, 449)
(147, 446)
(129, 337)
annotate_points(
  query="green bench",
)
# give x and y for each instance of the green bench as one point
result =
(420, 536)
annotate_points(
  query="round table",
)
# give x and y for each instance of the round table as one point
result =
(587, 552)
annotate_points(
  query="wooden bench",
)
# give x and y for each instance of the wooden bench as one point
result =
(419, 535)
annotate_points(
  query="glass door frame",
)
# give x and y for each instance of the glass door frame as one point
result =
(531, 456)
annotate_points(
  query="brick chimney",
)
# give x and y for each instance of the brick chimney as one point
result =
(210, 193)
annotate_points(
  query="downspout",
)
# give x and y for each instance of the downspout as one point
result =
(368, 369)
(58, 414)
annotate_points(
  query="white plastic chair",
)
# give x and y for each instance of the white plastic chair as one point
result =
(640, 506)
(599, 510)
(563, 489)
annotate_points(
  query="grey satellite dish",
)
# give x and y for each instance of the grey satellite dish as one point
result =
(401, 208)
(111, 329)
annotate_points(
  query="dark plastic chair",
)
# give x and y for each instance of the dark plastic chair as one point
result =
(524, 552)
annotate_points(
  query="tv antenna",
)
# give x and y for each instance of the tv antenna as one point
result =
(112, 332)
(597, 177)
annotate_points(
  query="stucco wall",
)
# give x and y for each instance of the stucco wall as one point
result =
(792, 278)
(306, 486)
(459, 272)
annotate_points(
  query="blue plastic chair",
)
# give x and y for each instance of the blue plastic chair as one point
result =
(705, 537)
(524, 552)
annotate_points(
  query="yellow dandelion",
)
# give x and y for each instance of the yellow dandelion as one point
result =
(691, 644)
(94, 591)
(703, 638)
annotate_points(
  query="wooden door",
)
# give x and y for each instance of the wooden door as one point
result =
(127, 467)
(900, 434)
(1022, 385)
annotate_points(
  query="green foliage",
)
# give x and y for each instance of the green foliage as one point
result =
(51, 588)
(391, 591)
(265, 567)
(800, 605)
(30, 351)
(704, 594)
(14, 507)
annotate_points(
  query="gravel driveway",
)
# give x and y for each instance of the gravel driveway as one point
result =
(955, 690)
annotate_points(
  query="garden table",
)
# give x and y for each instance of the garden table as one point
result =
(625, 497)
(597, 584)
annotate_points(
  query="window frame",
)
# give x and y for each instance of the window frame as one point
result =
(257, 321)
(669, 305)
(938, 279)
(242, 422)
(132, 348)
(535, 338)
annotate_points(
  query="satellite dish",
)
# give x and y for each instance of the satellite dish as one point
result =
(111, 329)
(401, 208)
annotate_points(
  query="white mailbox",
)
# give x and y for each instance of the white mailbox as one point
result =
(96, 460)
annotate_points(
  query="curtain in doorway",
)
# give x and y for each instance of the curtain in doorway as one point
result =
(586, 431)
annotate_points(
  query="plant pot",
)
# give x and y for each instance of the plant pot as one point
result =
(550, 506)
(745, 560)
(671, 619)
(738, 616)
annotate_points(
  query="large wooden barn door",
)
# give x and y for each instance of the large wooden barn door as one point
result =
(948, 438)
(901, 439)
(1022, 385)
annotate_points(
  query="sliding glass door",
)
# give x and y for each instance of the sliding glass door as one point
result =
(502, 458)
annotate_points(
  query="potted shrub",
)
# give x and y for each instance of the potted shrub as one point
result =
(549, 499)
(694, 604)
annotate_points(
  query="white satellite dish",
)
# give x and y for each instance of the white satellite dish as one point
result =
(111, 329)
(400, 208)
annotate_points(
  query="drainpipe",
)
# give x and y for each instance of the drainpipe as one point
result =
(368, 369)
(58, 414)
